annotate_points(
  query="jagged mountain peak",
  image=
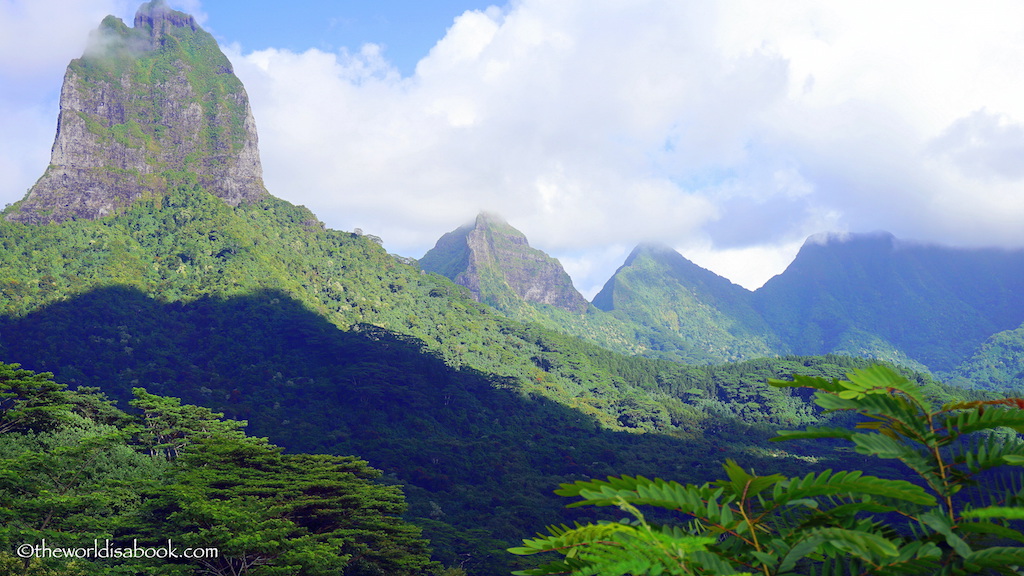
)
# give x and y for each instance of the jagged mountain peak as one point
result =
(497, 264)
(157, 15)
(493, 222)
(141, 107)
(659, 288)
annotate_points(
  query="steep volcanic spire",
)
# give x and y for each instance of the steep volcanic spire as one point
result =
(142, 107)
(499, 267)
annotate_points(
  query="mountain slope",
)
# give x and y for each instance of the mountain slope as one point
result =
(998, 364)
(658, 288)
(325, 343)
(875, 296)
(497, 264)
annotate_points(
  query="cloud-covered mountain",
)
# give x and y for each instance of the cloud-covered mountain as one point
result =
(863, 294)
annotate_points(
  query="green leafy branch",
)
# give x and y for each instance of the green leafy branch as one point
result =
(945, 518)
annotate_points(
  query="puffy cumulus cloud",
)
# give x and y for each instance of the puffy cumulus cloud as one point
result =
(732, 130)
(587, 125)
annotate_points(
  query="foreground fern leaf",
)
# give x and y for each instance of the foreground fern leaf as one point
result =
(952, 518)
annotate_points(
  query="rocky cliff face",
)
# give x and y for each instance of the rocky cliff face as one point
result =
(140, 107)
(498, 266)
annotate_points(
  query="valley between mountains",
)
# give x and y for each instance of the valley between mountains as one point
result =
(149, 264)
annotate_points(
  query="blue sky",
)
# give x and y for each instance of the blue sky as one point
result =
(407, 30)
(730, 130)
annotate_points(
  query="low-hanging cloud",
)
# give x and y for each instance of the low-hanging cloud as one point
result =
(984, 145)
(731, 130)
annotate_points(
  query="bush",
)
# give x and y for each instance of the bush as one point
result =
(959, 513)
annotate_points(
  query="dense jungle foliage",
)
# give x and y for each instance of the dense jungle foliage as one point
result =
(76, 471)
(961, 514)
(327, 344)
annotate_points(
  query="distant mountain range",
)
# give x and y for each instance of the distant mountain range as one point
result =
(150, 255)
(869, 295)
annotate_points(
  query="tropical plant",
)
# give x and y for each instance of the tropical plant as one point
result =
(75, 471)
(960, 511)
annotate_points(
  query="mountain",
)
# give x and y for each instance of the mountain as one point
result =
(325, 343)
(874, 295)
(153, 273)
(658, 288)
(998, 364)
(160, 276)
(141, 105)
(923, 306)
(870, 295)
(499, 268)
(497, 264)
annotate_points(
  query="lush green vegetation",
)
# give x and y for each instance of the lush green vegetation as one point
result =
(961, 515)
(474, 451)
(694, 315)
(327, 344)
(329, 347)
(998, 364)
(74, 470)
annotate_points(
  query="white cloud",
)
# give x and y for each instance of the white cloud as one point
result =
(41, 36)
(732, 129)
(983, 145)
(578, 124)
(750, 266)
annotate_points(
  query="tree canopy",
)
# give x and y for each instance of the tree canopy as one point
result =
(74, 470)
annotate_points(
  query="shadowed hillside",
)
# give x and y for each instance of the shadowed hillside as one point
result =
(474, 450)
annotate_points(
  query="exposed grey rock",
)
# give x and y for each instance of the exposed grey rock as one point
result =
(143, 106)
(497, 264)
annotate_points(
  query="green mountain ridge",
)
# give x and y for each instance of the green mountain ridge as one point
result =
(495, 261)
(926, 307)
(325, 343)
(658, 288)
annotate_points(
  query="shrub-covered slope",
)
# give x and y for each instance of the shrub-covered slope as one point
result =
(326, 343)
(657, 288)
